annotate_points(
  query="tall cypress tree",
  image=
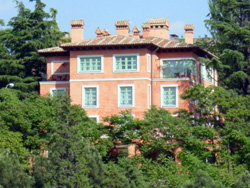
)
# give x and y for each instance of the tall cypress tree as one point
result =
(229, 24)
(29, 31)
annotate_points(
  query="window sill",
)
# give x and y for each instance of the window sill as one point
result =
(116, 71)
(90, 107)
(91, 72)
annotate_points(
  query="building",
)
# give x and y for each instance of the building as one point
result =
(127, 71)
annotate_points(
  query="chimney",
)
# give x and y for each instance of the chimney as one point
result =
(189, 33)
(105, 32)
(146, 30)
(136, 32)
(98, 32)
(77, 30)
(158, 27)
(122, 27)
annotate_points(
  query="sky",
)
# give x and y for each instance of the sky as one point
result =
(104, 13)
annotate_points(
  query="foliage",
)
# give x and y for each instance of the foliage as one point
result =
(12, 174)
(29, 31)
(67, 164)
(229, 25)
(203, 180)
(125, 173)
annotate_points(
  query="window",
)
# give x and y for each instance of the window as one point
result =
(95, 118)
(90, 64)
(90, 97)
(57, 91)
(174, 68)
(206, 73)
(125, 95)
(126, 63)
(169, 96)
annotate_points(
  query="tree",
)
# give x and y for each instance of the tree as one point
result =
(29, 31)
(229, 24)
(12, 174)
(65, 165)
(203, 180)
(95, 166)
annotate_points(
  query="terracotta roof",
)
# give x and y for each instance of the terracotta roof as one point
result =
(122, 23)
(116, 40)
(51, 50)
(169, 43)
(120, 40)
(112, 40)
(158, 21)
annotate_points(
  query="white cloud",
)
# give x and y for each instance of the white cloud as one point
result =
(177, 28)
(6, 5)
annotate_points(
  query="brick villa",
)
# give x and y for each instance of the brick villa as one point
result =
(112, 73)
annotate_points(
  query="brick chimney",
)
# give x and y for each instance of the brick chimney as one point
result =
(146, 30)
(122, 27)
(189, 33)
(158, 27)
(98, 32)
(77, 30)
(136, 32)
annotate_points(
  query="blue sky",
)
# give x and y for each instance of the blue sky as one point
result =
(104, 13)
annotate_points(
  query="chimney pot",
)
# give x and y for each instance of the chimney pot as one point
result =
(99, 32)
(136, 32)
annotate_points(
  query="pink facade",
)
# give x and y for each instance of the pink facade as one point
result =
(110, 74)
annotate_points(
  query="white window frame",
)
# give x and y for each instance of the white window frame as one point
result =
(52, 67)
(119, 95)
(149, 62)
(177, 96)
(171, 59)
(95, 116)
(149, 96)
(89, 56)
(57, 88)
(124, 55)
(97, 96)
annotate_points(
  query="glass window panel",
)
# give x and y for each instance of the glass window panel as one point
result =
(126, 96)
(90, 97)
(169, 96)
(58, 92)
(126, 63)
(173, 68)
(90, 64)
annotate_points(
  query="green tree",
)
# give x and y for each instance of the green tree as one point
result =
(203, 180)
(229, 24)
(95, 166)
(12, 174)
(65, 165)
(29, 31)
